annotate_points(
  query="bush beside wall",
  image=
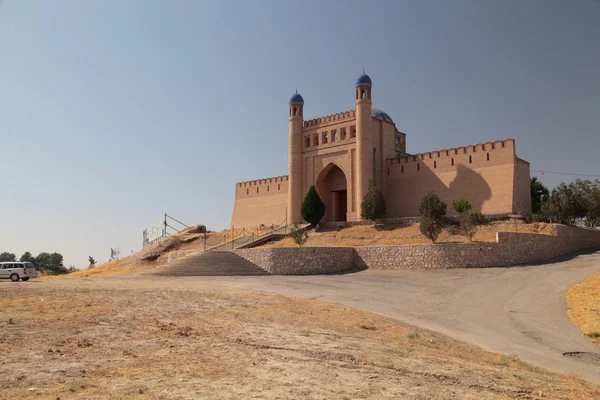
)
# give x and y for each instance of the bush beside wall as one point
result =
(511, 248)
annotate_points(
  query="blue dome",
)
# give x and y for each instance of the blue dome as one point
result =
(380, 114)
(296, 99)
(364, 80)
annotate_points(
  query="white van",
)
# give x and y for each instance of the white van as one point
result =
(15, 270)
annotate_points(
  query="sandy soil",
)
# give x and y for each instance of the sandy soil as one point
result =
(151, 338)
(184, 242)
(583, 301)
(368, 235)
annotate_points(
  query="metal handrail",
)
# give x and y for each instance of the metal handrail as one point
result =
(252, 237)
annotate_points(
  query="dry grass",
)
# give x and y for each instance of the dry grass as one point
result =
(583, 302)
(123, 338)
(192, 243)
(368, 235)
(354, 236)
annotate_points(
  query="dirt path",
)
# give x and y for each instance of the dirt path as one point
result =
(519, 310)
(154, 338)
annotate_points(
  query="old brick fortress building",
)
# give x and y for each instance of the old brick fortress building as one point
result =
(341, 153)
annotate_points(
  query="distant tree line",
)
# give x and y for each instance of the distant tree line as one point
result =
(576, 203)
(49, 262)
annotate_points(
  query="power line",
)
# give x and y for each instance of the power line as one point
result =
(564, 173)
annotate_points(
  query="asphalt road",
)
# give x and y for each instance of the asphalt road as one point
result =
(516, 311)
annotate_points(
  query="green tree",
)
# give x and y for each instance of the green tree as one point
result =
(373, 204)
(28, 257)
(56, 259)
(299, 235)
(468, 225)
(462, 205)
(313, 208)
(588, 196)
(7, 257)
(432, 211)
(44, 259)
(566, 204)
(539, 194)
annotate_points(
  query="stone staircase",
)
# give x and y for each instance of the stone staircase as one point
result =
(211, 263)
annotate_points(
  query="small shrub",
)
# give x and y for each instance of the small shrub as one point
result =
(11, 321)
(299, 235)
(433, 211)
(467, 225)
(313, 208)
(593, 335)
(504, 361)
(413, 335)
(479, 218)
(373, 205)
(453, 231)
(432, 206)
(462, 205)
(368, 327)
(430, 228)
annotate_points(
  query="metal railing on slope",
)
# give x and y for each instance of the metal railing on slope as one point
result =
(247, 237)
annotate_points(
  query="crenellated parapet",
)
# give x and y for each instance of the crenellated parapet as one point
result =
(259, 182)
(339, 117)
(488, 147)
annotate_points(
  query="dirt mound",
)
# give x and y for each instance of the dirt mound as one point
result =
(164, 246)
(191, 240)
(196, 229)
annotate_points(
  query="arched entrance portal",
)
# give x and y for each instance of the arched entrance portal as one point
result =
(331, 186)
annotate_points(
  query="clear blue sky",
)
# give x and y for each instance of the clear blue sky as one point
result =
(113, 112)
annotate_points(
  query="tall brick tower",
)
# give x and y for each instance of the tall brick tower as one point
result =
(364, 138)
(295, 159)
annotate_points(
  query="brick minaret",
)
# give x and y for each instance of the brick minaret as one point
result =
(295, 159)
(364, 138)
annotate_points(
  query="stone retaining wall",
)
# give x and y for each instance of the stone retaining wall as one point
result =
(510, 248)
(300, 261)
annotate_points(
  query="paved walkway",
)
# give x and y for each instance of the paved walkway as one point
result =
(517, 310)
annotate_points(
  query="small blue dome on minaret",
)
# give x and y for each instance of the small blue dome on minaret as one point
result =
(364, 80)
(296, 99)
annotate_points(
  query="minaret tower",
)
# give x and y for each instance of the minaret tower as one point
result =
(364, 138)
(295, 159)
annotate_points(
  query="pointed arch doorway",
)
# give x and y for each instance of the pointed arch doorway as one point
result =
(332, 186)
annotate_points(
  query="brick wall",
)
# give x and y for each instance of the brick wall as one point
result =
(483, 173)
(262, 201)
(522, 190)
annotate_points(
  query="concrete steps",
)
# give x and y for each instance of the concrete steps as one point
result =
(211, 263)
